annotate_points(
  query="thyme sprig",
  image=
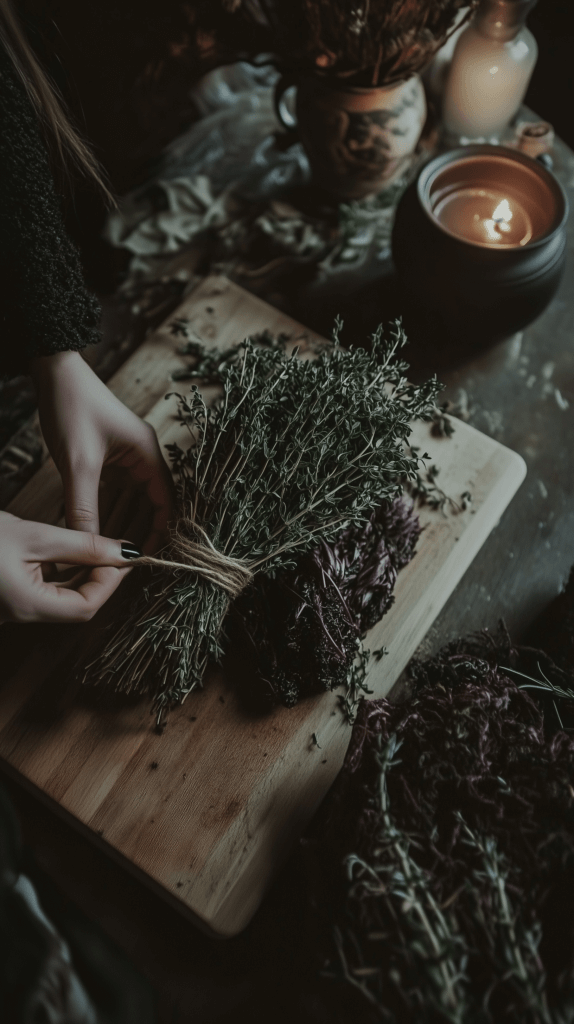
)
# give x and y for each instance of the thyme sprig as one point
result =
(437, 952)
(543, 684)
(292, 451)
(511, 945)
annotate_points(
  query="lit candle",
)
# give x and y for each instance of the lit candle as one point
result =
(491, 198)
(484, 216)
(479, 242)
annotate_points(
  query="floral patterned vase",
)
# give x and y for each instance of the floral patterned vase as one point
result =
(357, 140)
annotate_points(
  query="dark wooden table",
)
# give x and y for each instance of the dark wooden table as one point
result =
(522, 393)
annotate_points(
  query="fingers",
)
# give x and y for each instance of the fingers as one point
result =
(81, 485)
(71, 547)
(26, 595)
(147, 467)
(60, 604)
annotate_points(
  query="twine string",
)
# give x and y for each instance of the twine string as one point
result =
(200, 556)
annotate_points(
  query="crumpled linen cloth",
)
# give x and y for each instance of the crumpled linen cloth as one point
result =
(227, 178)
(209, 174)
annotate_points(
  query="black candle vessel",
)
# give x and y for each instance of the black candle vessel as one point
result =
(479, 242)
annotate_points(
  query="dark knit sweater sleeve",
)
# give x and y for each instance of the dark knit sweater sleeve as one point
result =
(44, 305)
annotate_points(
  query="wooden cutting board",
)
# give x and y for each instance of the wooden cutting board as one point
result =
(207, 811)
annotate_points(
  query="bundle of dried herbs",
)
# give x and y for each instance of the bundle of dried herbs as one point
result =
(294, 451)
(300, 631)
(443, 864)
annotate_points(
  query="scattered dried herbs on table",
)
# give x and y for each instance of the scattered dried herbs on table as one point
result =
(294, 452)
(442, 866)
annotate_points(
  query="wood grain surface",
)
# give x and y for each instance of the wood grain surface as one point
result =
(207, 811)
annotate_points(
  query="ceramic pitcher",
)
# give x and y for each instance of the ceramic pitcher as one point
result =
(357, 140)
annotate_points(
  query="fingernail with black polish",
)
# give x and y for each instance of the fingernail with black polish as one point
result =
(130, 551)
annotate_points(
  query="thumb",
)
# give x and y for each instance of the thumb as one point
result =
(81, 483)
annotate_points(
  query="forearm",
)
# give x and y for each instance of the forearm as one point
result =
(46, 368)
(44, 304)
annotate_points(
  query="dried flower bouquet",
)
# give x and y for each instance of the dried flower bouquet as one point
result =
(371, 42)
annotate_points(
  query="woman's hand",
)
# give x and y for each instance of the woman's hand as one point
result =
(86, 428)
(26, 547)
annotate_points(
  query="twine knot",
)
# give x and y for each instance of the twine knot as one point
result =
(200, 556)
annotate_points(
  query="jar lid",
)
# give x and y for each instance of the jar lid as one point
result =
(502, 19)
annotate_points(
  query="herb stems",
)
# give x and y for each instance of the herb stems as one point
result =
(293, 451)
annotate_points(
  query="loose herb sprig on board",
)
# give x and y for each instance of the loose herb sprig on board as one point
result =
(293, 451)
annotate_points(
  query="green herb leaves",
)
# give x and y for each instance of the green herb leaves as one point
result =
(293, 450)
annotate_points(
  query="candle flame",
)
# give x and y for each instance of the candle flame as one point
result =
(503, 214)
(500, 221)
